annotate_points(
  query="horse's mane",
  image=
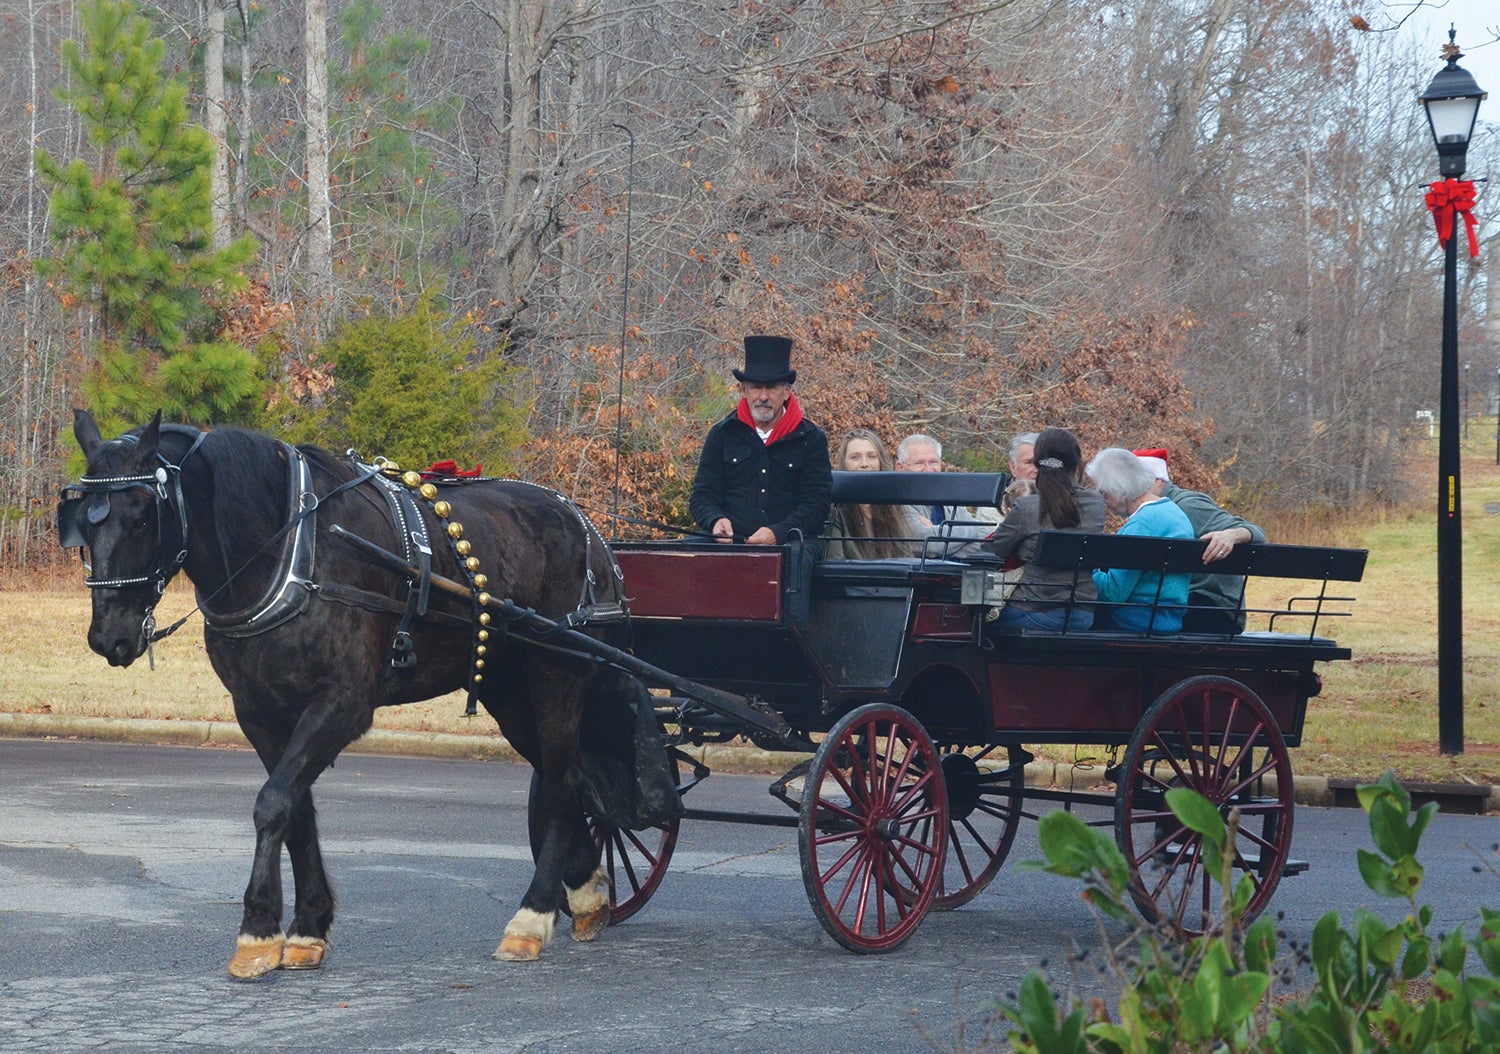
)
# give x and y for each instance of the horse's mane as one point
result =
(249, 483)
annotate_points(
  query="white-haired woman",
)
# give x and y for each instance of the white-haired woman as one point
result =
(1145, 600)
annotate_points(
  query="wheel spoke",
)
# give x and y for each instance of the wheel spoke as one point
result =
(1212, 735)
(1187, 779)
(872, 865)
(634, 862)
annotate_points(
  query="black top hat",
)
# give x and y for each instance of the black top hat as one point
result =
(768, 360)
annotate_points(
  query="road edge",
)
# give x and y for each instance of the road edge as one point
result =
(1306, 790)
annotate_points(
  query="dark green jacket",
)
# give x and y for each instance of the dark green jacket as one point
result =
(1224, 591)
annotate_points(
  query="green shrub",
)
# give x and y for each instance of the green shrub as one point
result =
(1374, 987)
(410, 388)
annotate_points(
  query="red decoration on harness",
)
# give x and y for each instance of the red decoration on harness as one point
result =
(450, 469)
(1446, 196)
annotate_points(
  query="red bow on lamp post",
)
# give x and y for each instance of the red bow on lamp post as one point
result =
(1446, 197)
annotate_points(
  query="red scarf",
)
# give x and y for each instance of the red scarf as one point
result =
(1446, 197)
(783, 428)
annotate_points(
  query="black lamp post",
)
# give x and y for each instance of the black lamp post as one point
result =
(1452, 102)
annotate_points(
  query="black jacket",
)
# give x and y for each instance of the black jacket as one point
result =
(782, 486)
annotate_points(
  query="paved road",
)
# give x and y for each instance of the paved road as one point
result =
(121, 869)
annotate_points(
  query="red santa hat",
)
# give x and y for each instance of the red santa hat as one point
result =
(1156, 460)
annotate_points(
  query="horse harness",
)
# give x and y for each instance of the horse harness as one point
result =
(588, 610)
(293, 584)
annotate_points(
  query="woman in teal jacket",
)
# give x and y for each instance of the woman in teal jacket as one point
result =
(1145, 600)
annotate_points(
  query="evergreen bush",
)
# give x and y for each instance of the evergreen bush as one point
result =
(1374, 987)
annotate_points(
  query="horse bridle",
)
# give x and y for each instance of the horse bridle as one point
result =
(90, 497)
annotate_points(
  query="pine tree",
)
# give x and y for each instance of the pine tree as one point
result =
(134, 233)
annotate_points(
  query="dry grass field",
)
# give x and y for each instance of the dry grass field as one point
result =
(1376, 713)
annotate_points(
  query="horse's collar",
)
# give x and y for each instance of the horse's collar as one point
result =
(291, 585)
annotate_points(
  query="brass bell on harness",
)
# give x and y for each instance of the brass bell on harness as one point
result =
(442, 509)
(472, 564)
(428, 490)
(455, 529)
(483, 634)
(461, 546)
(484, 600)
(411, 479)
(481, 581)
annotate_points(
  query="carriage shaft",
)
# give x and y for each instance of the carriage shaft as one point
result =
(530, 626)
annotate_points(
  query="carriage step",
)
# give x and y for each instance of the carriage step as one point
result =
(1251, 857)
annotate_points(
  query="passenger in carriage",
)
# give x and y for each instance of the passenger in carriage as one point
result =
(868, 532)
(922, 453)
(1023, 456)
(1044, 598)
(1014, 492)
(1141, 600)
(1216, 603)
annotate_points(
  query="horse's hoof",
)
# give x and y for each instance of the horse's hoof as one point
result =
(256, 956)
(303, 953)
(589, 904)
(526, 935)
(518, 949)
(590, 924)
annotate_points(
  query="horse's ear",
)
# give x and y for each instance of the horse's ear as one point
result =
(86, 431)
(145, 450)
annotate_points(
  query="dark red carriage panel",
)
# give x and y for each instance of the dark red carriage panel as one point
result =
(943, 622)
(700, 583)
(1284, 693)
(1097, 698)
(1105, 699)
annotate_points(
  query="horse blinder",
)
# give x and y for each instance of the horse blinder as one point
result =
(88, 501)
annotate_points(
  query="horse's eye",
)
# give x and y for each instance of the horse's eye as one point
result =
(138, 525)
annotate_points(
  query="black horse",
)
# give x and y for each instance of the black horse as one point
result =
(310, 635)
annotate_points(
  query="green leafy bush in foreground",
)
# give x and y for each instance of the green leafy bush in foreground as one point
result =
(1374, 987)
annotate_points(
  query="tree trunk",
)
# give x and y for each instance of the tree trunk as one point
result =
(318, 243)
(242, 169)
(216, 122)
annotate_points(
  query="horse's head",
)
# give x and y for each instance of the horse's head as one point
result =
(126, 516)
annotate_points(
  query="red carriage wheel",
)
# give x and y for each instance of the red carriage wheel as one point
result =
(984, 809)
(634, 861)
(873, 828)
(1215, 736)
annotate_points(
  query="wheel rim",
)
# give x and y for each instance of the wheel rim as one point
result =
(1215, 736)
(635, 862)
(984, 809)
(873, 828)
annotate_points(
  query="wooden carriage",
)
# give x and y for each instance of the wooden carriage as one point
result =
(915, 714)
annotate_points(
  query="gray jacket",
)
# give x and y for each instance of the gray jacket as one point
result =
(1041, 588)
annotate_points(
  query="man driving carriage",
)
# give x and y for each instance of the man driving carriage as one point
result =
(764, 475)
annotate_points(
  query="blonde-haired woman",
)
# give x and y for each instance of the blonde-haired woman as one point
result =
(867, 532)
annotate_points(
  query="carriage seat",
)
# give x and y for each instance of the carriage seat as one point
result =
(893, 571)
(1083, 553)
(982, 489)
